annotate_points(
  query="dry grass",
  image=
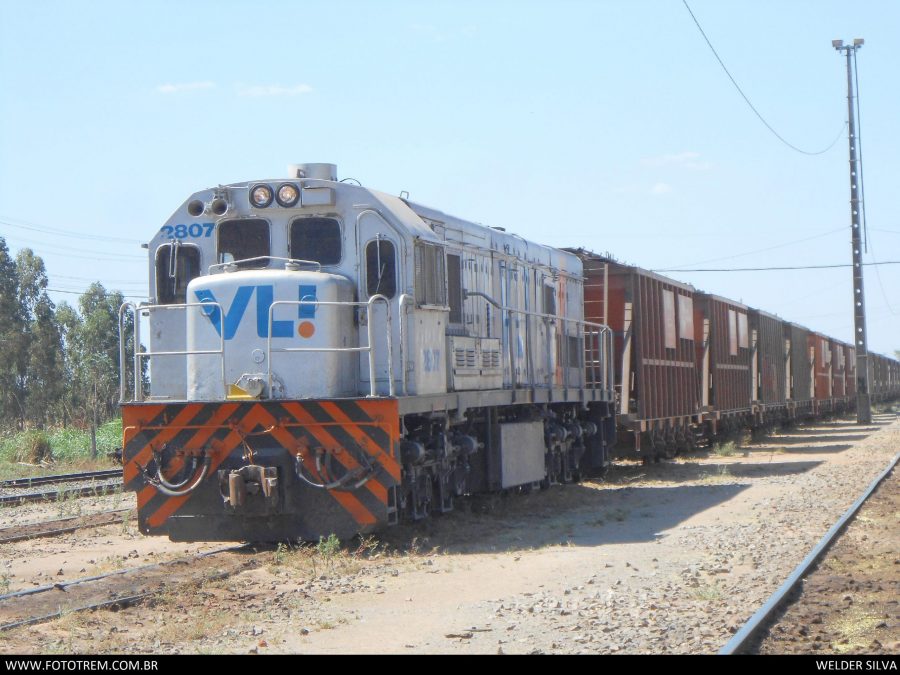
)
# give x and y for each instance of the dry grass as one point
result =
(330, 558)
(727, 449)
(708, 593)
(856, 632)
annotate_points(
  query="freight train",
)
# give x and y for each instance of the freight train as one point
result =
(319, 358)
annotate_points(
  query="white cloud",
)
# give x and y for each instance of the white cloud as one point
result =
(184, 86)
(273, 90)
(687, 160)
(661, 189)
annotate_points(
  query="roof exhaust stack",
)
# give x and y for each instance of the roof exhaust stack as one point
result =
(318, 171)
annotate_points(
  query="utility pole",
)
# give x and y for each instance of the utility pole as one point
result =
(863, 399)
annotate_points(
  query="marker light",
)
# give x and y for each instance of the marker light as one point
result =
(261, 196)
(288, 194)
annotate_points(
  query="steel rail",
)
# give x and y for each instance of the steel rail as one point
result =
(96, 490)
(52, 528)
(121, 600)
(755, 624)
(60, 478)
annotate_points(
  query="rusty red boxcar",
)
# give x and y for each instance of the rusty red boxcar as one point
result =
(721, 327)
(656, 374)
(769, 357)
(801, 394)
(822, 366)
(840, 400)
(850, 358)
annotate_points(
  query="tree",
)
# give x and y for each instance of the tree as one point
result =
(42, 378)
(68, 322)
(45, 372)
(32, 281)
(93, 344)
(12, 352)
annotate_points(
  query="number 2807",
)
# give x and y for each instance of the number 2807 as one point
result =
(184, 231)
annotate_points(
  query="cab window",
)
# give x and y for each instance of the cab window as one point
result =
(243, 239)
(176, 266)
(316, 239)
(381, 268)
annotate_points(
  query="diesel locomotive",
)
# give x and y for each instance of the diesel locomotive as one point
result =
(319, 357)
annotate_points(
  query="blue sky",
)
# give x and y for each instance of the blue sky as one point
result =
(603, 124)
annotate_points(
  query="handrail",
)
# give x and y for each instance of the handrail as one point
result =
(288, 261)
(602, 333)
(405, 299)
(369, 305)
(140, 355)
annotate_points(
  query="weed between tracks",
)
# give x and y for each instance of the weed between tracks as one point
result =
(328, 557)
(721, 474)
(67, 503)
(728, 449)
(708, 593)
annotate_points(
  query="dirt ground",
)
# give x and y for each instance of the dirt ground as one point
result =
(667, 558)
(851, 602)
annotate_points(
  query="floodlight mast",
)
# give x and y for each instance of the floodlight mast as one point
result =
(863, 396)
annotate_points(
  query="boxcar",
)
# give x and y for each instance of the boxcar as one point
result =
(801, 394)
(722, 338)
(769, 357)
(656, 367)
(822, 366)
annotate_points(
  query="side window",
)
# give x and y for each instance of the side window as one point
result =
(243, 239)
(549, 300)
(430, 288)
(454, 288)
(381, 268)
(174, 271)
(316, 239)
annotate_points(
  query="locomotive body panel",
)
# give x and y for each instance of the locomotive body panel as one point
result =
(260, 314)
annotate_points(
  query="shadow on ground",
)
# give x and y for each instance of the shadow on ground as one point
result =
(572, 515)
(681, 472)
(820, 437)
(804, 449)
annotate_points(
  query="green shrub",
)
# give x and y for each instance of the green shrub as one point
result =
(59, 445)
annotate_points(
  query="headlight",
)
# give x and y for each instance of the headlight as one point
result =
(288, 194)
(261, 196)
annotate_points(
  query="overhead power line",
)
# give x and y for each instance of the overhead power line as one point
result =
(66, 233)
(49, 250)
(761, 250)
(59, 290)
(752, 107)
(770, 269)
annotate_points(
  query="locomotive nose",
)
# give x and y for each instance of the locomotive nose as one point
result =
(270, 334)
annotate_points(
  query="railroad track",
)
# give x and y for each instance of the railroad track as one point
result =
(54, 528)
(120, 588)
(765, 615)
(94, 490)
(92, 483)
(35, 481)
